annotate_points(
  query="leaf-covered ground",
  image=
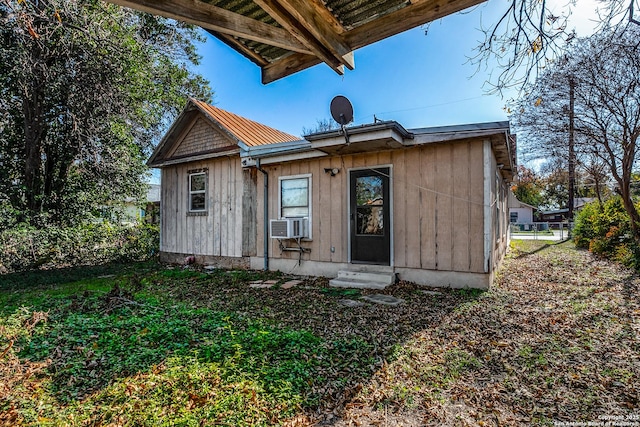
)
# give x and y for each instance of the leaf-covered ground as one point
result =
(556, 339)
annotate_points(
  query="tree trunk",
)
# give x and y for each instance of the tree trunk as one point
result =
(33, 136)
(35, 127)
(633, 214)
(572, 153)
(596, 180)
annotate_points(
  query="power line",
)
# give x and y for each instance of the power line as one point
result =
(419, 108)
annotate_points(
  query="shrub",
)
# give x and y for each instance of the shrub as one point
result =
(606, 230)
(26, 247)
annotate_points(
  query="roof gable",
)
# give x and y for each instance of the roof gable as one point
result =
(249, 132)
(201, 137)
(204, 131)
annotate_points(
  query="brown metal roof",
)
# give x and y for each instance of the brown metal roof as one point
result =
(237, 129)
(247, 131)
(287, 36)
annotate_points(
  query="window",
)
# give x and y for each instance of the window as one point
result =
(295, 197)
(513, 217)
(197, 191)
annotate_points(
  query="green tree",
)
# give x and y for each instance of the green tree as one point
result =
(528, 187)
(555, 184)
(85, 89)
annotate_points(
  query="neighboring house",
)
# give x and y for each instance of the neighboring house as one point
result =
(520, 212)
(151, 212)
(561, 215)
(429, 205)
(132, 212)
(555, 215)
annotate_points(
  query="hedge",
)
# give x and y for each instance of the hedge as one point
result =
(25, 247)
(606, 230)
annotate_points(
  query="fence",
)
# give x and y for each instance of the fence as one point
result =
(541, 230)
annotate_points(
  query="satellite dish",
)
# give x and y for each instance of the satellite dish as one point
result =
(341, 110)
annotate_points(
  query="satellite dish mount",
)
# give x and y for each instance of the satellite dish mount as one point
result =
(342, 113)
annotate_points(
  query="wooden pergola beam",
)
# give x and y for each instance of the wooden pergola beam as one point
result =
(304, 35)
(314, 16)
(219, 20)
(308, 30)
(288, 65)
(240, 48)
(418, 13)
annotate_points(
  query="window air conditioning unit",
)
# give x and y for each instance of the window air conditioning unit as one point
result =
(288, 228)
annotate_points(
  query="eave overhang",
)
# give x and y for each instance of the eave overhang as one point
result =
(227, 152)
(371, 137)
(278, 153)
(498, 133)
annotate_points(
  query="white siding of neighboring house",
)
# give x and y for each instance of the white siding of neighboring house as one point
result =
(525, 215)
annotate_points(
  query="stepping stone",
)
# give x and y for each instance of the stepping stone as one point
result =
(350, 303)
(260, 285)
(270, 282)
(383, 299)
(210, 267)
(106, 276)
(431, 292)
(290, 284)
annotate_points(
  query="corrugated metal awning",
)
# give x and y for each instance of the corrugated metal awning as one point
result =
(287, 36)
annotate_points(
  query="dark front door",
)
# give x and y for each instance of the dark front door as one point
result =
(369, 216)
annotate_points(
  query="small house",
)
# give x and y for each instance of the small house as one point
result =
(426, 205)
(520, 213)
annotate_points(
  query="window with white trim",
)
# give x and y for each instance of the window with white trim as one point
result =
(198, 191)
(294, 197)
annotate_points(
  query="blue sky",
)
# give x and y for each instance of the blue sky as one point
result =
(417, 79)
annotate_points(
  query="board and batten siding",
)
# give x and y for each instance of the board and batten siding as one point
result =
(219, 232)
(198, 138)
(437, 206)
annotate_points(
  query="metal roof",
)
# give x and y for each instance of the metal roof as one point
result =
(241, 132)
(253, 140)
(465, 128)
(391, 135)
(287, 36)
(365, 128)
(244, 130)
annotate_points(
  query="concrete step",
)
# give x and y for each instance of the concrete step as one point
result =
(387, 278)
(358, 284)
(363, 279)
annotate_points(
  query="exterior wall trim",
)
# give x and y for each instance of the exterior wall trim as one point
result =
(488, 181)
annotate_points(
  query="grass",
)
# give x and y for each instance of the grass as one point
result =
(519, 248)
(554, 340)
(98, 345)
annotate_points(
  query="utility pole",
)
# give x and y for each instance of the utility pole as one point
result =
(572, 153)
